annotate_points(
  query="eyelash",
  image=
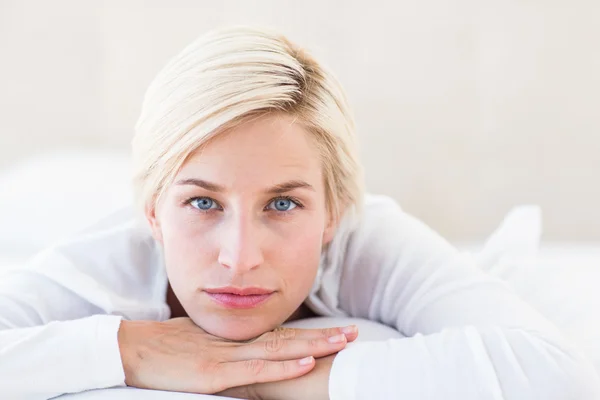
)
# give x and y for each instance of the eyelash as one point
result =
(290, 198)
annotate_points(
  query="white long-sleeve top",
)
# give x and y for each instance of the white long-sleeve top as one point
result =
(468, 335)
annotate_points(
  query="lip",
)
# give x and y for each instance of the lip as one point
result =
(241, 298)
(253, 290)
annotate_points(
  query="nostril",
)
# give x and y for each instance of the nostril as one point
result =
(241, 262)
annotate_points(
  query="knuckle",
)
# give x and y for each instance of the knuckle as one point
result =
(314, 343)
(203, 368)
(269, 335)
(219, 355)
(329, 332)
(215, 381)
(287, 334)
(274, 345)
(255, 367)
(284, 333)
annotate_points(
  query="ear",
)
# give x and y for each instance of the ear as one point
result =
(330, 229)
(150, 213)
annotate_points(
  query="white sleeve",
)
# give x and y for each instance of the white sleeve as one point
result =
(49, 343)
(469, 336)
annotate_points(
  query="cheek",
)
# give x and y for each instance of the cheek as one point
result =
(181, 228)
(187, 244)
(297, 259)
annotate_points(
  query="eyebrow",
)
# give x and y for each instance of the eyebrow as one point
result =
(277, 189)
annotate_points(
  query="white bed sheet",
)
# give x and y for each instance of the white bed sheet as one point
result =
(137, 394)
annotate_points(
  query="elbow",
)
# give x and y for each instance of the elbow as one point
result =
(552, 369)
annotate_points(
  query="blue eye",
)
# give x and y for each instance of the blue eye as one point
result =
(203, 203)
(283, 204)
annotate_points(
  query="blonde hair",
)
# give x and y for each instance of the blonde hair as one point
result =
(227, 77)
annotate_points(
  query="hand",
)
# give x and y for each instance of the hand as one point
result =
(313, 385)
(177, 355)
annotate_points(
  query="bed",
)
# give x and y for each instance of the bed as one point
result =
(559, 279)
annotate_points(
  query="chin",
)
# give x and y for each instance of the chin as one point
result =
(234, 327)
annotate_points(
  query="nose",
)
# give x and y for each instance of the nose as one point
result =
(240, 247)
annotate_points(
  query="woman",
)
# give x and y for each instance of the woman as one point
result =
(250, 192)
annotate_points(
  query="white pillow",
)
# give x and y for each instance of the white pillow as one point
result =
(563, 289)
(513, 244)
(55, 195)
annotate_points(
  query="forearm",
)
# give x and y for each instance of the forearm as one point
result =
(61, 357)
(464, 363)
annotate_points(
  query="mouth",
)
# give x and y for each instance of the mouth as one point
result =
(240, 298)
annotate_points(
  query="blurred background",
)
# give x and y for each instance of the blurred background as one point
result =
(464, 108)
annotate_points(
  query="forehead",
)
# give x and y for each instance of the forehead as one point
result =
(261, 152)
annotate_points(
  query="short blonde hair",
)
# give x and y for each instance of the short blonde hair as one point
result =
(227, 77)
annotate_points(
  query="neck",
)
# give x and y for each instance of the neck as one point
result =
(177, 310)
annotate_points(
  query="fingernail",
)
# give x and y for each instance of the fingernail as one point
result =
(337, 339)
(348, 330)
(306, 360)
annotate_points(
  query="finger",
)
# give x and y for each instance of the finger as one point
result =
(277, 349)
(350, 331)
(248, 372)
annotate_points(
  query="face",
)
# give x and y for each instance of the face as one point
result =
(242, 227)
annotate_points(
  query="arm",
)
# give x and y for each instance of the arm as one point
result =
(60, 314)
(49, 345)
(470, 335)
(40, 359)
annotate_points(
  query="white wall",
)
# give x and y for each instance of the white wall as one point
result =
(464, 107)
